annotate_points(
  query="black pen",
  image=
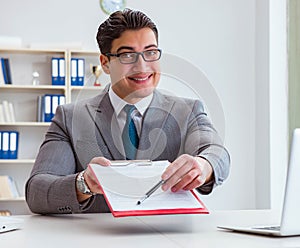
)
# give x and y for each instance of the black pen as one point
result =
(151, 191)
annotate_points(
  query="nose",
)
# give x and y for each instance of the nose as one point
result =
(140, 64)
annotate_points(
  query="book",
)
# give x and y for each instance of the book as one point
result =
(1, 113)
(124, 185)
(8, 188)
(6, 112)
(11, 112)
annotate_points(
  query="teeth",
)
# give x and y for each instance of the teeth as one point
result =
(140, 79)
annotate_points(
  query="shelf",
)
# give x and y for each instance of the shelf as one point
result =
(17, 161)
(30, 50)
(33, 87)
(26, 124)
(17, 199)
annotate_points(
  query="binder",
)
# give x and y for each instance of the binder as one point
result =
(40, 109)
(48, 108)
(5, 145)
(73, 71)
(47, 105)
(0, 144)
(2, 82)
(55, 75)
(54, 104)
(80, 72)
(61, 71)
(77, 71)
(13, 144)
(135, 179)
(62, 100)
(8, 71)
(4, 71)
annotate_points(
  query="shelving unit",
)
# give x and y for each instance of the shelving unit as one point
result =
(23, 95)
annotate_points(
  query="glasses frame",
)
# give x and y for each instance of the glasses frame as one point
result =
(137, 57)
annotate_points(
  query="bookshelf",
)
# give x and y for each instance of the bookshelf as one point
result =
(23, 94)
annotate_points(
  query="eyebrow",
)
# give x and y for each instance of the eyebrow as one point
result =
(132, 49)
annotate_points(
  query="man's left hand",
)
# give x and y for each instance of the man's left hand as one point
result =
(187, 173)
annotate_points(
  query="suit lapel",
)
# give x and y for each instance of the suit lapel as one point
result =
(153, 138)
(106, 122)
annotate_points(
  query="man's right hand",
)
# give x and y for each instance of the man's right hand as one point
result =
(90, 179)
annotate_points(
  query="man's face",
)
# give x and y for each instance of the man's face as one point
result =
(132, 82)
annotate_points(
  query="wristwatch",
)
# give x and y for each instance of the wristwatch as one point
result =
(81, 184)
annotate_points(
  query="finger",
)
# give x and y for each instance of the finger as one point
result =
(173, 167)
(194, 184)
(186, 180)
(179, 175)
(92, 181)
(101, 161)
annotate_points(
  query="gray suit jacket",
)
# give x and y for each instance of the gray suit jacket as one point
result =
(171, 126)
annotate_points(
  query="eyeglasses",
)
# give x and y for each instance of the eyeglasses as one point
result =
(132, 57)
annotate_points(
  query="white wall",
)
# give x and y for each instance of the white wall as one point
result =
(216, 36)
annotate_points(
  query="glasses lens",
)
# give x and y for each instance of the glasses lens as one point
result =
(128, 58)
(152, 55)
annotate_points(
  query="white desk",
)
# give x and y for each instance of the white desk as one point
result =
(102, 230)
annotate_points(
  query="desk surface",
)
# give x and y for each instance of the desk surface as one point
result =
(103, 230)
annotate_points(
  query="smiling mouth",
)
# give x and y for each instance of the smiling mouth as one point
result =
(140, 79)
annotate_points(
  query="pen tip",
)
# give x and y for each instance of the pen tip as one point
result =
(138, 203)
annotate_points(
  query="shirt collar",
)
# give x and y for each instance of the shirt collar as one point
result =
(118, 103)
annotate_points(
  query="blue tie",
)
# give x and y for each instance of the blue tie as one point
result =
(129, 136)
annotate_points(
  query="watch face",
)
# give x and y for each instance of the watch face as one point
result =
(110, 6)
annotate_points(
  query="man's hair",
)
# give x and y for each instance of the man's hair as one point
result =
(117, 23)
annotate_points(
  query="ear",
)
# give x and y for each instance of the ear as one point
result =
(104, 63)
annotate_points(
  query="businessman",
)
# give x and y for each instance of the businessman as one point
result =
(128, 119)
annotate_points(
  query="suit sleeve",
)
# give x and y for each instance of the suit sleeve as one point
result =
(51, 186)
(203, 140)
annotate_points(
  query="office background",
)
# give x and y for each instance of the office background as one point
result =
(239, 44)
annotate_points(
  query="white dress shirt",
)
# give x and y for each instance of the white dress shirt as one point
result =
(137, 115)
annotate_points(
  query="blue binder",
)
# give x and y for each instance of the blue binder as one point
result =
(73, 71)
(13, 144)
(4, 71)
(8, 71)
(61, 71)
(5, 145)
(47, 101)
(54, 68)
(80, 72)
(0, 144)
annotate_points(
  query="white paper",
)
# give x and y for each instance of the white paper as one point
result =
(125, 185)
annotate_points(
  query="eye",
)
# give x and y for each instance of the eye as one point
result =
(151, 52)
(127, 55)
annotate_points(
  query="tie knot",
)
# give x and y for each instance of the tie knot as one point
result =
(129, 109)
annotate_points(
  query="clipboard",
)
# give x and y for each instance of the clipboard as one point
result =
(123, 185)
